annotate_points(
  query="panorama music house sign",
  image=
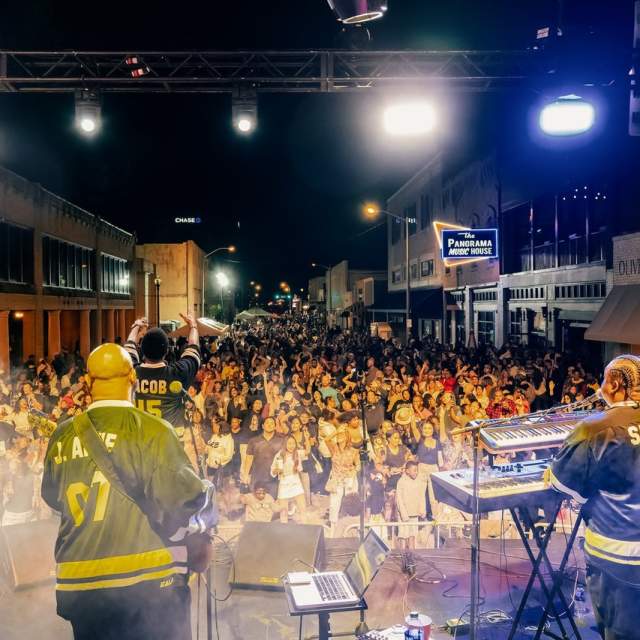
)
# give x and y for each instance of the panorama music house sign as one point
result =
(469, 244)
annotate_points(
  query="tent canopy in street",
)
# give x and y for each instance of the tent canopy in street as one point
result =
(207, 327)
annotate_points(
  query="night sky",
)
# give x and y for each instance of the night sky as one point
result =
(297, 184)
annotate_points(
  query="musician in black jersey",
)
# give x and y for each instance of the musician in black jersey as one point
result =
(160, 387)
(599, 466)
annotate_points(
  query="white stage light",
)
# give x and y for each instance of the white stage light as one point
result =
(567, 116)
(244, 109)
(357, 11)
(88, 113)
(411, 119)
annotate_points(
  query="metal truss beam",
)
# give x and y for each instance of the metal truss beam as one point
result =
(318, 71)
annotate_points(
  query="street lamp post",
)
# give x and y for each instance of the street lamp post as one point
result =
(205, 258)
(157, 282)
(371, 211)
(327, 305)
(223, 282)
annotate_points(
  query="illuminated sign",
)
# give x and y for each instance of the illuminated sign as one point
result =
(469, 244)
(187, 220)
(464, 245)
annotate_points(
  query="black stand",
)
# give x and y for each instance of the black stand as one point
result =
(324, 621)
(362, 627)
(542, 541)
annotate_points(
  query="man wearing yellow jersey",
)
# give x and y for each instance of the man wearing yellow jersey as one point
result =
(127, 519)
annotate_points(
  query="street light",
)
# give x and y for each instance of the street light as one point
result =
(371, 211)
(327, 304)
(157, 282)
(231, 249)
(410, 119)
(223, 282)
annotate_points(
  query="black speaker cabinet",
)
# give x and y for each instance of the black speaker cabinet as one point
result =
(26, 553)
(268, 550)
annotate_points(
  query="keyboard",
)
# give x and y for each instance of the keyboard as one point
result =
(500, 487)
(331, 587)
(527, 433)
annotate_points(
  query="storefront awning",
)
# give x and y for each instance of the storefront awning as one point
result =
(619, 317)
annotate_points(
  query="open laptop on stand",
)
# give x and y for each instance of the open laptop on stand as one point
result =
(340, 588)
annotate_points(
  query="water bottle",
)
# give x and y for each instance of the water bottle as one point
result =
(417, 626)
(580, 609)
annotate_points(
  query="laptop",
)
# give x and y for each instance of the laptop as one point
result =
(340, 588)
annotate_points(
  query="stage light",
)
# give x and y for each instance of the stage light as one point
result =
(357, 11)
(410, 119)
(567, 116)
(88, 112)
(244, 110)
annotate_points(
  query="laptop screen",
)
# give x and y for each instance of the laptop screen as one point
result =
(365, 564)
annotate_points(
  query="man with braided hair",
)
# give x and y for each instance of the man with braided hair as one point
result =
(599, 466)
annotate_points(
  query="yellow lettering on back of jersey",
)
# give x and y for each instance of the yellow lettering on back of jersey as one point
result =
(634, 434)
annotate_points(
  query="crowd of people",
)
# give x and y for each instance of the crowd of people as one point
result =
(274, 418)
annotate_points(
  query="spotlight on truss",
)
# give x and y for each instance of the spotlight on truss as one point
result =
(244, 110)
(356, 11)
(137, 68)
(567, 116)
(88, 114)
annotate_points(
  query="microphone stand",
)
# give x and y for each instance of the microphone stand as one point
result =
(362, 627)
(209, 574)
(474, 430)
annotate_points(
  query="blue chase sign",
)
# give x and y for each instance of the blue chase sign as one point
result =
(469, 244)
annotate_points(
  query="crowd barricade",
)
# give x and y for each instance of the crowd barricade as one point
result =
(435, 532)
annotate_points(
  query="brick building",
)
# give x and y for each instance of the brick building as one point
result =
(65, 275)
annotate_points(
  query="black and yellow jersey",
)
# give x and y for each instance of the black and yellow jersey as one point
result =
(160, 386)
(599, 466)
(105, 540)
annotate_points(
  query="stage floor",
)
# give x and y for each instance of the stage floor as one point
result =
(30, 614)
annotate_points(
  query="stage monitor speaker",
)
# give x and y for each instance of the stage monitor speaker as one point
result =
(268, 550)
(26, 553)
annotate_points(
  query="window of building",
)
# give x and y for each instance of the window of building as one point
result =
(426, 268)
(115, 275)
(486, 327)
(515, 326)
(16, 249)
(410, 212)
(426, 210)
(485, 295)
(414, 271)
(396, 230)
(396, 276)
(66, 265)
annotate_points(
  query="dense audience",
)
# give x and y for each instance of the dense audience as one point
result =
(274, 419)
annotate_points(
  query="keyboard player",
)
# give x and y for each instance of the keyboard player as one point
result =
(599, 466)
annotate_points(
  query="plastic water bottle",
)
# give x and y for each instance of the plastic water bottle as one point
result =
(415, 625)
(580, 609)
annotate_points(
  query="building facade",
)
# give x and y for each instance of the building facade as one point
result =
(556, 261)
(617, 323)
(179, 268)
(65, 275)
(468, 198)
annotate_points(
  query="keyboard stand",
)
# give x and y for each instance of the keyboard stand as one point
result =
(550, 589)
(324, 622)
